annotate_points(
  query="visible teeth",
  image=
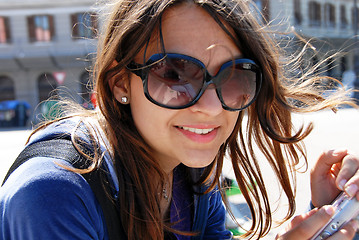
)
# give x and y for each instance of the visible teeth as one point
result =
(197, 130)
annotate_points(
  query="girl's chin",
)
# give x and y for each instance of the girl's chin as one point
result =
(197, 165)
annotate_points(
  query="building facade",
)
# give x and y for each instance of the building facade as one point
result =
(46, 44)
(329, 25)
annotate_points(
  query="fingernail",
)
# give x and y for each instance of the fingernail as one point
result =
(351, 190)
(329, 210)
(338, 152)
(341, 184)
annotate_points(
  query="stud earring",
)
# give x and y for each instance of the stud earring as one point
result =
(124, 100)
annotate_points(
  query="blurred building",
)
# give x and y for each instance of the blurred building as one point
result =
(43, 45)
(46, 44)
(329, 25)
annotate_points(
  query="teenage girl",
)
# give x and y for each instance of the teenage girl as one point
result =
(173, 81)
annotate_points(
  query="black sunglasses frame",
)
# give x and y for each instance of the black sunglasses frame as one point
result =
(142, 71)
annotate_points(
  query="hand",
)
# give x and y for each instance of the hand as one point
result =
(306, 225)
(335, 171)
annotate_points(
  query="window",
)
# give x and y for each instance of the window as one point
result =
(330, 67)
(7, 88)
(329, 15)
(315, 63)
(297, 12)
(314, 14)
(4, 30)
(41, 28)
(46, 84)
(84, 25)
(343, 65)
(86, 90)
(85, 86)
(343, 17)
(355, 18)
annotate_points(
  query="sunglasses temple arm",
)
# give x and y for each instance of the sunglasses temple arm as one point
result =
(135, 68)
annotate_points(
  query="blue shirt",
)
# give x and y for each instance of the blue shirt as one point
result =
(41, 200)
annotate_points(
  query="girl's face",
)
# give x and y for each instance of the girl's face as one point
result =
(193, 135)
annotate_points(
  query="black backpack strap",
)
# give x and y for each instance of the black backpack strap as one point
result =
(65, 150)
(57, 148)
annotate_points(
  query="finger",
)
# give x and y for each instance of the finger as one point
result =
(305, 226)
(350, 166)
(346, 232)
(335, 169)
(323, 177)
(352, 186)
(300, 218)
(327, 159)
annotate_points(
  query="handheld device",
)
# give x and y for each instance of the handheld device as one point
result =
(346, 208)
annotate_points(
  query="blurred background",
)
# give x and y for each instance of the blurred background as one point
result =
(48, 47)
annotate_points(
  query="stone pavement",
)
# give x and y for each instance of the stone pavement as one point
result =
(331, 131)
(11, 143)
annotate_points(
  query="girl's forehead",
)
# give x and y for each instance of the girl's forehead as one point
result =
(189, 29)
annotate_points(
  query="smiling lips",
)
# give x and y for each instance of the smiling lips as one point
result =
(199, 135)
(198, 130)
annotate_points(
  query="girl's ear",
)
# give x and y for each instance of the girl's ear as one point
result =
(121, 87)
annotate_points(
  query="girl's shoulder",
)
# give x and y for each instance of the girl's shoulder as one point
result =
(42, 177)
(41, 195)
(45, 198)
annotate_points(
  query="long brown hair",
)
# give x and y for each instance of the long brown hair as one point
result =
(127, 29)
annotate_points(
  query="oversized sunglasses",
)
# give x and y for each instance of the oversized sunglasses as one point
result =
(177, 81)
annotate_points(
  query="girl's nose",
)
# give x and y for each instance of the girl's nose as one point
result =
(209, 102)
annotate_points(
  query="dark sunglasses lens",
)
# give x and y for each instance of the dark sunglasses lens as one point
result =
(238, 86)
(174, 82)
